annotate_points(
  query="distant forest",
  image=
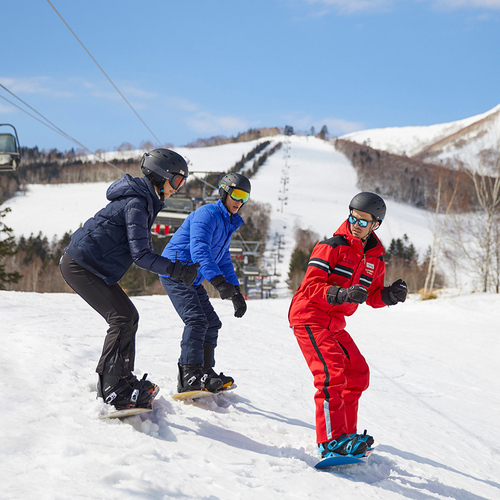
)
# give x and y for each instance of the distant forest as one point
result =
(408, 180)
(36, 258)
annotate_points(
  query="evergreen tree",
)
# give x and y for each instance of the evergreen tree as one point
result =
(7, 247)
(324, 132)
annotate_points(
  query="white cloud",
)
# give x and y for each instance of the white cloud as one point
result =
(5, 109)
(183, 104)
(35, 85)
(354, 6)
(336, 126)
(457, 4)
(207, 123)
(351, 6)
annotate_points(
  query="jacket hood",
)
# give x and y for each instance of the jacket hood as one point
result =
(373, 245)
(134, 186)
(126, 186)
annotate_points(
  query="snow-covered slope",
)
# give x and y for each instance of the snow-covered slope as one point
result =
(320, 182)
(463, 139)
(432, 406)
(209, 159)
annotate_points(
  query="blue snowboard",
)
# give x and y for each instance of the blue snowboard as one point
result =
(340, 460)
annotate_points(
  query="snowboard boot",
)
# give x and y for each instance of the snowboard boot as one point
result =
(116, 391)
(145, 385)
(345, 445)
(192, 378)
(208, 363)
(227, 382)
(367, 439)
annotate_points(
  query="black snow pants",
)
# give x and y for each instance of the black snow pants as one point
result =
(113, 304)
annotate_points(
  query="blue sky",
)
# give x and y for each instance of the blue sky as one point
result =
(199, 68)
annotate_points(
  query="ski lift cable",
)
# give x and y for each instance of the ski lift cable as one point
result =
(53, 127)
(29, 114)
(104, 73)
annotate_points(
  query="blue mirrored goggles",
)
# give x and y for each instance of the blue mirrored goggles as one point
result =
(361, 222)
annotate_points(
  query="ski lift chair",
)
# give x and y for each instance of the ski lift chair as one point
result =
(10, 150)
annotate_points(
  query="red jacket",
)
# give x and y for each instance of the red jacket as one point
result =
(341, 261)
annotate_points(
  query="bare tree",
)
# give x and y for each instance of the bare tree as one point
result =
(437, 237)
(480, 241)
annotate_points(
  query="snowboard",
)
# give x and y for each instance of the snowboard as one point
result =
(341, 460)
(183, 396)
(128, 412)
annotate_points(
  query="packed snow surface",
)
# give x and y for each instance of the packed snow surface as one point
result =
(432, 406)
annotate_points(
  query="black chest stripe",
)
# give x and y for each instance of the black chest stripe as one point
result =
(365, 280)
(324, 265)
(344, 271)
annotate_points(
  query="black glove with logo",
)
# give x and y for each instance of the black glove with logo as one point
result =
(394, 293)
(226, 290)
(186, 273)
(239, 304)
(337, 295)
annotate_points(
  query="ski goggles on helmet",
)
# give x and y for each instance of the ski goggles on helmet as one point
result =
(361, 222)
(239, 195)
(176, 181)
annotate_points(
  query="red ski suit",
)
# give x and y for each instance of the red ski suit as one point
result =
(340, 372)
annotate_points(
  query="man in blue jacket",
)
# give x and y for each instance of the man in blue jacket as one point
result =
(101, 252)
(204, 237)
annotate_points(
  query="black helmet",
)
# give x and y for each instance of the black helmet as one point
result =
(161, 164)
(370, 203)
(232, 182)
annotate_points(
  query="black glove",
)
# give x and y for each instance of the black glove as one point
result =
(394, 293)
(226, 290)
(239, 304)
(184, 272)
(337, 295)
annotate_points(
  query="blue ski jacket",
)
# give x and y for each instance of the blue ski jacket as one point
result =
(120, 233)
(205, 237)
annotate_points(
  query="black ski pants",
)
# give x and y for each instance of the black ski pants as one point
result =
(113, 304)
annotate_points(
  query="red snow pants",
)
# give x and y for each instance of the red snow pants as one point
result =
(340, 374)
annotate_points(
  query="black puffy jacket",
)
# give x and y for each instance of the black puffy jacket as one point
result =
(120, 233)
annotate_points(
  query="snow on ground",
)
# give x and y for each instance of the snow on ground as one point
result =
(412, 140)
(54, 209)
(432, 406)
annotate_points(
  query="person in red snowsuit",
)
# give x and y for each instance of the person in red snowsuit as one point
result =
(343, 272)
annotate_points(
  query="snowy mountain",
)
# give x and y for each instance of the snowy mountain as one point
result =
(442, 143)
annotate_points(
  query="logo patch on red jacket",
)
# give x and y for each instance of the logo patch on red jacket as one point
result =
(370, 268)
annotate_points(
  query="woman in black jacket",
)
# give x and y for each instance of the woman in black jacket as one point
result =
(101, 252)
